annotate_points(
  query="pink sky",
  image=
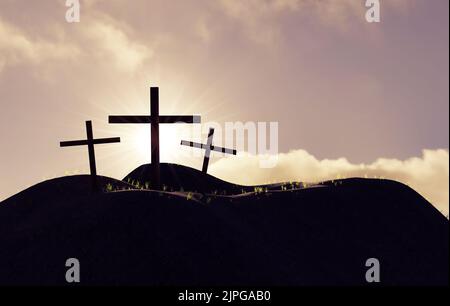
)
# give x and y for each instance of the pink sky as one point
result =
(338, 86)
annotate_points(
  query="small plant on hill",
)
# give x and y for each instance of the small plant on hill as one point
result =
(109, 187)
(189, 196)
(259, 189)
(137, 185)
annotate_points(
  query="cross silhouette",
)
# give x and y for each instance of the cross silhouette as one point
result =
(90, 142)
(208, 147)
(154, 120)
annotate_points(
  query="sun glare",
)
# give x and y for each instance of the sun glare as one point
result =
(170, 135)
(135, 147)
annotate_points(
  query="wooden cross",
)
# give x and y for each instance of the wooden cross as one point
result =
(208, 147)
(154, 120)
(90, 142)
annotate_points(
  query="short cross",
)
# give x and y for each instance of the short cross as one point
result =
(208, 147)
(90, 142)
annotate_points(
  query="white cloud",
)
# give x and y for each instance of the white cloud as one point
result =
(111, 43)
(16, 47)
(428, 174)
(103, 42)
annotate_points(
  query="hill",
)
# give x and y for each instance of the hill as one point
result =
(307, 236)
(177, 177)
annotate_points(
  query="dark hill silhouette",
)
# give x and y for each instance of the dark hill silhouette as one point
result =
(177, 177)
(309, 236)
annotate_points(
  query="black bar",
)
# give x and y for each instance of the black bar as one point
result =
(86, 142)
(92, 165)
(224, 150)
(208, 150)
(279, 295)
(73, 143)
(203, 146)
(129, 119)
(154, 130)
(193, 144)
(106, 140)
(179, 119)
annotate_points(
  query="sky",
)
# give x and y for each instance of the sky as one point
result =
(351, 98)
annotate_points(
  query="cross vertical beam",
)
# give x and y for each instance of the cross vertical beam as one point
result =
(208, 150)
(90, 140)
(154, 130)
(91, 152)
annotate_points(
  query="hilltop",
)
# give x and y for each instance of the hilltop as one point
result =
(319, 235)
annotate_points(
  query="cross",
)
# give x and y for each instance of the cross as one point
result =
(154, 120)
(90, 142)
(208, 147)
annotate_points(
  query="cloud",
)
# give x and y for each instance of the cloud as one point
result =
(111, 43)
(16, 48)
(99, 40)
(260, 19)
(428, 174)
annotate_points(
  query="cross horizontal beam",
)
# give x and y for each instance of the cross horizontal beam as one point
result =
(203, 146)
(73, 143)
(129, 119)
(150, 119)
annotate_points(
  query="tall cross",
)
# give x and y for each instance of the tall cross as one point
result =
(208, 147)
(90, 142)
(154, 120)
